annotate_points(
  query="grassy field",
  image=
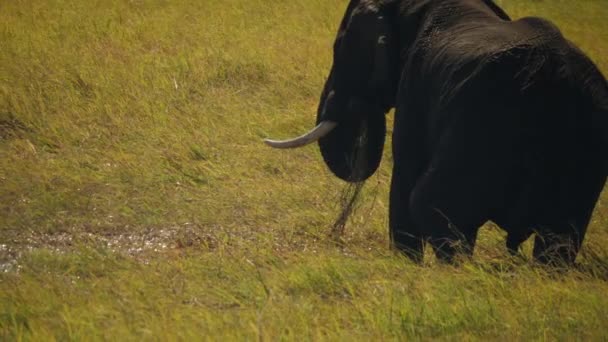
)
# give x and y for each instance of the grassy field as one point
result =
(138, 202)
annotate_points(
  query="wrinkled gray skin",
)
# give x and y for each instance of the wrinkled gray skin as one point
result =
(494, 120)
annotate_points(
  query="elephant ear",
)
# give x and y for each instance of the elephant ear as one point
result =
(353, 149)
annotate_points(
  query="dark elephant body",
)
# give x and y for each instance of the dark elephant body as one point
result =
(494, 120)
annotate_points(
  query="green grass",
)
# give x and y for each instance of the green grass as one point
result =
(138, 202)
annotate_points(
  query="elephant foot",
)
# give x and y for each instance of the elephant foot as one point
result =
(449, 250)
(556, 249)
(558, 245)
(408, 245)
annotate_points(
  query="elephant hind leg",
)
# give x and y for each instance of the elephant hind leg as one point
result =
(450, 205)
(560, 241)
(558, 246)
(463, 186)
(515, 239)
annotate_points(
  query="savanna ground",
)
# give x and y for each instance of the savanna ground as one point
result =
(138, 202)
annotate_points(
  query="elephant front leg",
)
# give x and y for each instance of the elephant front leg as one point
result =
(405, 236)
(454, 242)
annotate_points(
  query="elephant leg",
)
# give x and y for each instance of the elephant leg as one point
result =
(456, 242)
(454, 197)
(557, 245)
(405, 235)
(409, 159)
(452, 221)
(515, 239)
(467, 180)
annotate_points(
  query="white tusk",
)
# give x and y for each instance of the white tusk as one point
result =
(322, 129)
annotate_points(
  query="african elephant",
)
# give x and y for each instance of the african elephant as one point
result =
(495, 119)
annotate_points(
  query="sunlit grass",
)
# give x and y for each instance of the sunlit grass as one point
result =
(125, 122)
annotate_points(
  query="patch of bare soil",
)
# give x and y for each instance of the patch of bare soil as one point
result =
(144, 243)
(133, 244)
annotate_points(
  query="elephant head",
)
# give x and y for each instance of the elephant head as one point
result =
(360, 89)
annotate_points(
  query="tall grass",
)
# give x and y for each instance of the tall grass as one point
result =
(137, 201)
